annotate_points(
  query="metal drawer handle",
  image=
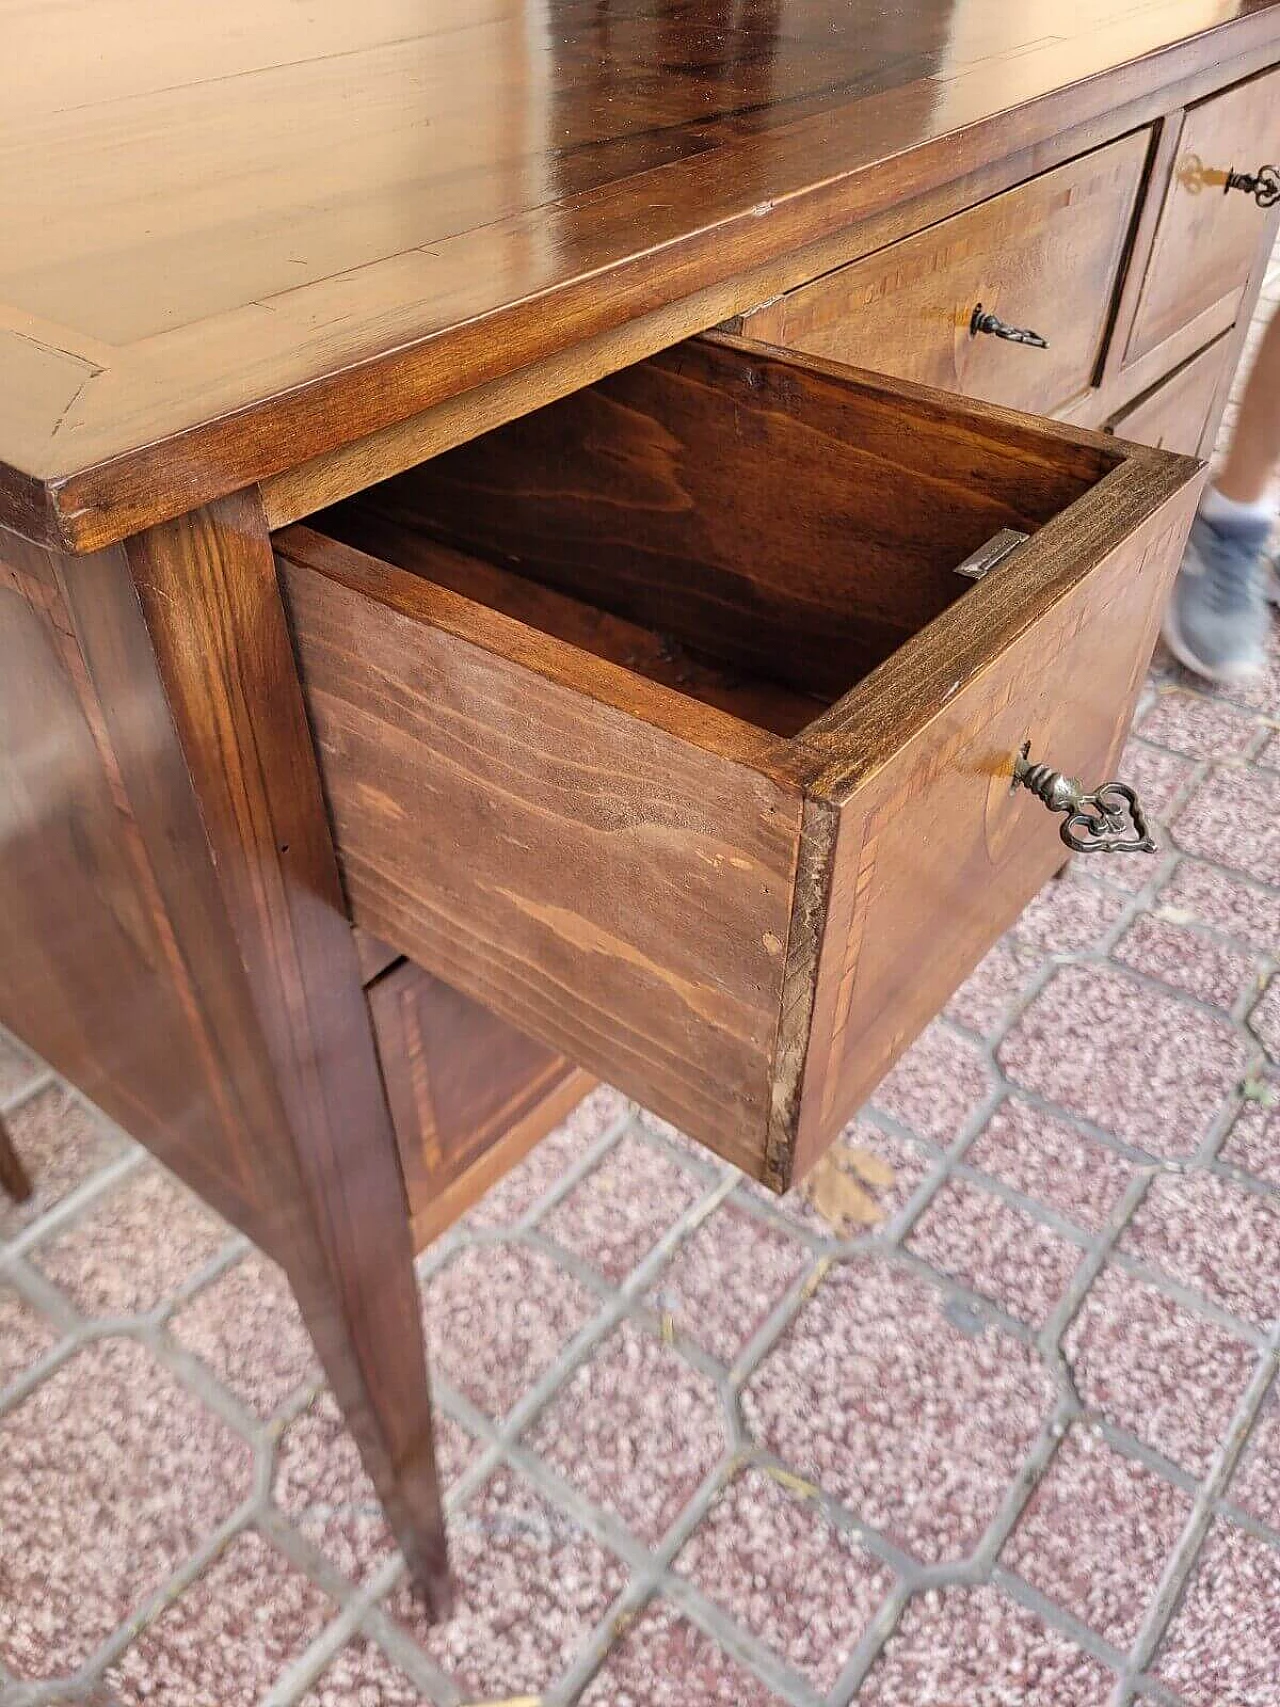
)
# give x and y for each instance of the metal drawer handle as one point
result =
(982, 320)
(1110, 819)
(1263, 185)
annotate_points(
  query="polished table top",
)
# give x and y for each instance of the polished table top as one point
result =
(216, 218)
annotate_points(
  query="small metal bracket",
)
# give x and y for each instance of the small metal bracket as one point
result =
(982, 561)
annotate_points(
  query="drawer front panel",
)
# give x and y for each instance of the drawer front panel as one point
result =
(939, 854)
(1175, 414)
(1045, 256)
(1208, 240)
(469, 1094)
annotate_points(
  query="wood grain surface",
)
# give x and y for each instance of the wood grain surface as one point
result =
(1045, 256)
(351, 219)
(1174, 414)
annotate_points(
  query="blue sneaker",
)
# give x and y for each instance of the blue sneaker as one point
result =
(1216, 621)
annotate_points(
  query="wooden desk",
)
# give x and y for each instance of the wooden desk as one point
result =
(250, 272)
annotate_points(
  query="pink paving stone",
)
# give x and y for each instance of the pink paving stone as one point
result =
(618, 1213)
(937, 1086)
(983, 1000)
(113, 1261)
(361, 1675)
(865, 1151)
(973, 1647)
(62, 1144)
(517, 1192)
(17, 1068)
(321, 1485)
(1222, 1648)
(636, 1430)
(1142, 1064)
(915, 1424)
(1217, 1237)
(1045, 1158)
(1097, 1533)
(112, 1475)
(783, 1571)
(1153, 1367)
(1256, 1483)
(725, 1278)
(1264, 1020)
(995, 1249)
(1242, 909)
(24, 1336)
(1253, 1143)
(1158, 777)
(497, 1316)
(246, 1327)
(1201, 727)
(1069, 914)
(529, 1586)
(245, 1618)
(663, 1660)
(1211, 970)
(1233, 818)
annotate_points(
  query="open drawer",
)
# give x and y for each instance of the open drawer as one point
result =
(661, 722)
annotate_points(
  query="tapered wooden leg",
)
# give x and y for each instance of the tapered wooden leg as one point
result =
(13, 1176)
(182, 950)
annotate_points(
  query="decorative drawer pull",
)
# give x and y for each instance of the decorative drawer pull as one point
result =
(1263, 185)
(982, 320)
(1108, 820)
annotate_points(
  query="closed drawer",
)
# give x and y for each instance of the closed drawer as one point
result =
(660, 722)
(469, 1095)
(1208, 237)
(1174, 414)
(1044, 257)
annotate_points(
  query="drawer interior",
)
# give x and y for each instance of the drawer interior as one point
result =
(752, 532)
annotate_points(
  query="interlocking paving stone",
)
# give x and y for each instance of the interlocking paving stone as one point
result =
(635, 1429)
(360, 1675)
(975, 1646)
(662, 1660)
(1146, 1362)
(517, 1192)
(1253, 1143)
(1255, 1485)
(914, 1423)
(1233, 818)
(1159, 1080)
(224, 1641)
(17, 1068)
(1048, 1159)
(113, 1475)
(725, 1278)
(245, 1325)
(937, 1086)
(1225, 901)
(985, 997)
(621, 1209)
(780, 1567)
(111, 1263)
(1264, 1020)
(322, 1487)
(1189, 960)
(996, 1249)
(1158, 777)
(1222, 1648)
(24, 1336)
(496, 1316)
(1194, 724)
(529, 1586)
(61, 1144)
(1219, 1238)
(1097, 1533)
(1070, 914)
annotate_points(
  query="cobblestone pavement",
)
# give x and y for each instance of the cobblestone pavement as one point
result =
(1017, 1443)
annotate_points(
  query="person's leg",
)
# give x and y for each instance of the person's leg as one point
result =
(1216, 622)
